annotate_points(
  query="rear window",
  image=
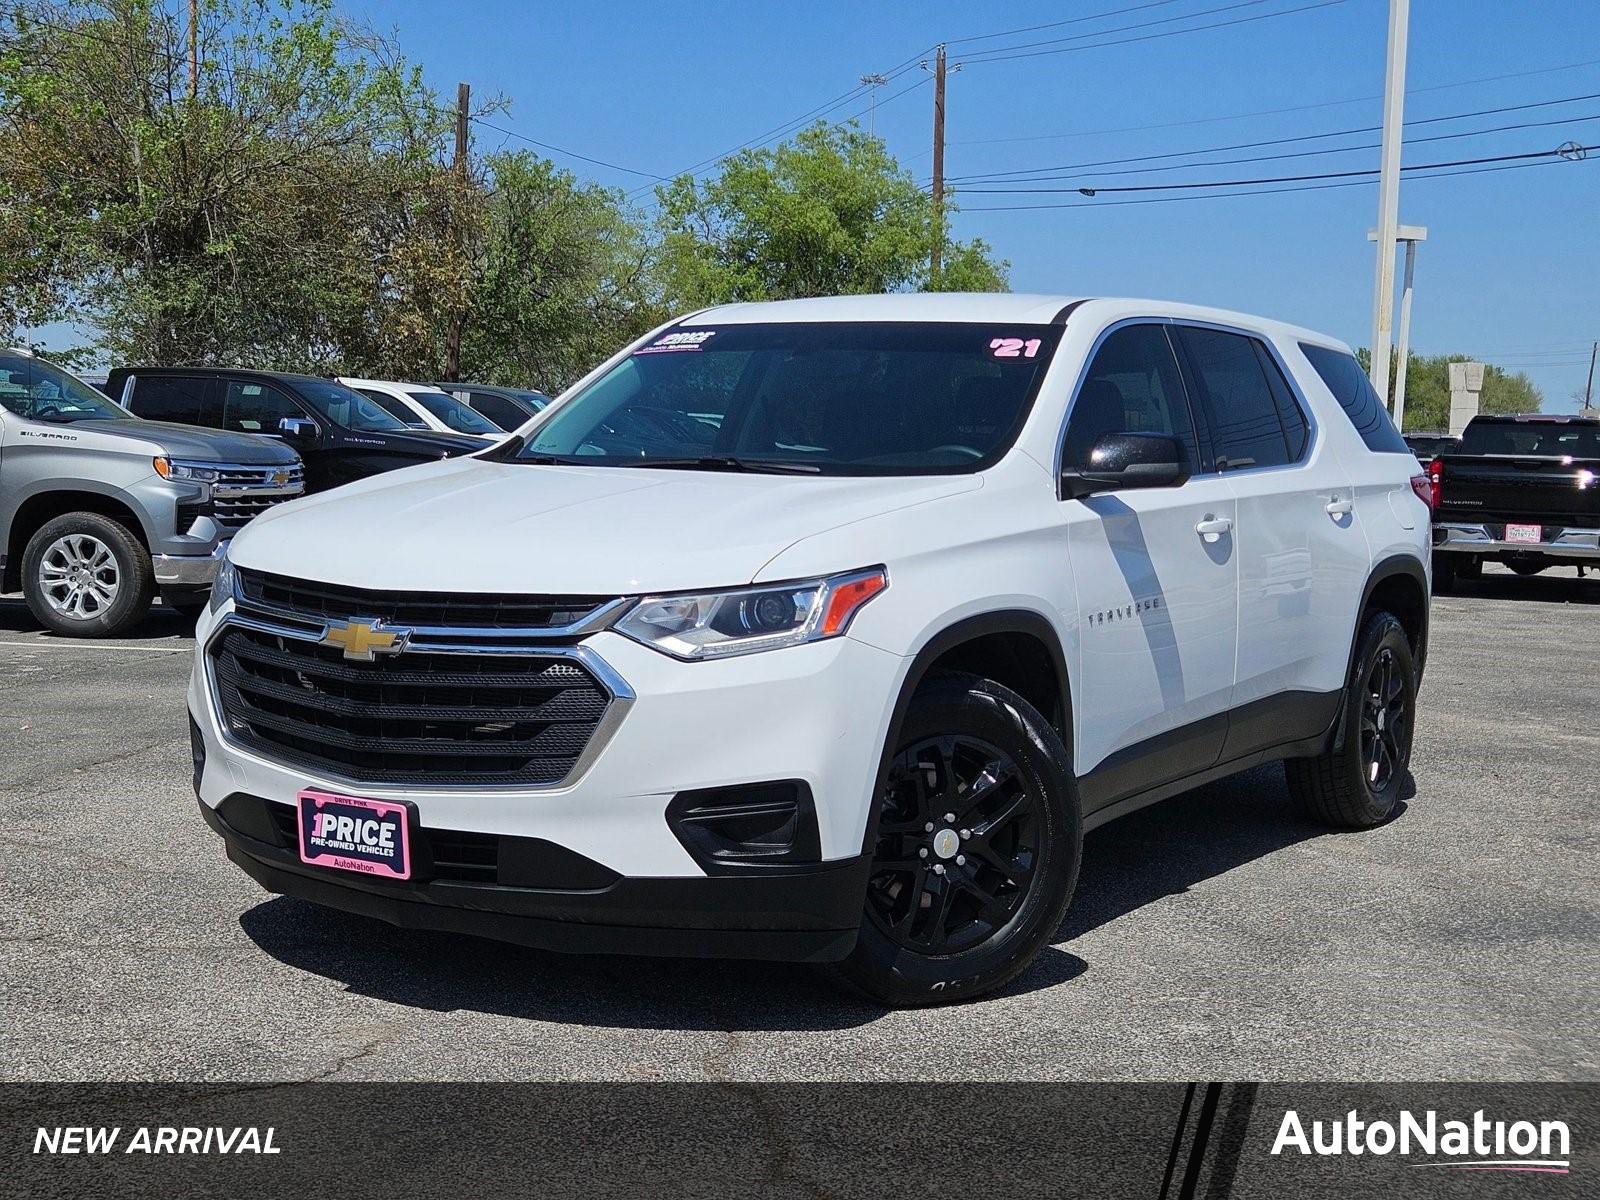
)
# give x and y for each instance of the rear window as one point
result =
(1554, 439)
(1356, 395)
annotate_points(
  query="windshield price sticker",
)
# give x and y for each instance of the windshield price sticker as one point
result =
(1013, 347)
(678, 341)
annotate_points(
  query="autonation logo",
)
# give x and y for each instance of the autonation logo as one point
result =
(1476, 1145)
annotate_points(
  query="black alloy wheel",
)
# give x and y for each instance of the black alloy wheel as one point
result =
(958, 845)
(1385, 721)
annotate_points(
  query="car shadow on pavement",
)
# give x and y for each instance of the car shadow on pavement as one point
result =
(162, 622)
(1551, 587)
(1168, 848)
(1159, 852)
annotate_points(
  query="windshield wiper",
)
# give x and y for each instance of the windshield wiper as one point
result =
(728, 462)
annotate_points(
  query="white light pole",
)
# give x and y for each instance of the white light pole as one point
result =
(1410, 235)
(1394, 96)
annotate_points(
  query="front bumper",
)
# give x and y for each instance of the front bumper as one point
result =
(809, 914)
(189, 570)
(816, 714)
(1463, 538)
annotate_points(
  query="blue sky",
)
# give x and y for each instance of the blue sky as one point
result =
(1511, 268)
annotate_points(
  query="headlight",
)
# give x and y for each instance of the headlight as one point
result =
(222, 586)
(720, 624)
(176, 468)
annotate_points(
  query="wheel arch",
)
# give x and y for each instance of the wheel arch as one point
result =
(45, 505)
(1399, 585)
(1003, 638)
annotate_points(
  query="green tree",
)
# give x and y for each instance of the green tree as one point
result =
(1428, 389)
(276, 217)
(559, 277)
(828, 213)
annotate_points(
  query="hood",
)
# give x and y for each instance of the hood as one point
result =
(478, 526)
(192, 441)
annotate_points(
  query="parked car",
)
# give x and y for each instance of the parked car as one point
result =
(419, 406)
(883, 603)
(341, 435)
(1519, 490)
(507, 407)
(99, 510)
(1428, 446)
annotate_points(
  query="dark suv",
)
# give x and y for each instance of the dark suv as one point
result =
(341, 435)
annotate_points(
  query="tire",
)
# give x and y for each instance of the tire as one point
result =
(1444, 574)
(1527, 568)
(1357, 785)
(949, 917)
(188, 605)
(86, 575)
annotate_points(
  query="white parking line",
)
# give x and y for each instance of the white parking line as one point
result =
(100, 646)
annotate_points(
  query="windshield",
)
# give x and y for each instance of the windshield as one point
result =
(1557, 439)
(348, 408)
(39, 391)
(454, 414)
(834, 398)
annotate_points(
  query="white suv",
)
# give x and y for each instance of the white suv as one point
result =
(822, 630)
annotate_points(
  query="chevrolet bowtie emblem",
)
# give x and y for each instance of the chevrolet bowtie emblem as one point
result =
(279, 479)
(362, 641)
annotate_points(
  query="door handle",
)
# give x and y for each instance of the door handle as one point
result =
(1214, 527)
(1339, 506)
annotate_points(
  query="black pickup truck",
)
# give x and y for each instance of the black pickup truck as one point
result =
(1521, 490)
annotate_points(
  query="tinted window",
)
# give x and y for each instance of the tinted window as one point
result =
(1245, 428)
(836, 397)
(347, 408)
(1560, 439)
(1356, 395)
(256, 407)
(172, 398)
(454, 414)
(498, 409)
(394, 406)
(1132, 386)
(34, 389)
(1296, 429)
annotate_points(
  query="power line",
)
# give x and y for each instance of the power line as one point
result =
(997, 56)
(1542, 158)
(1116, 12)
(983, 55)
(997, 176)
(1562, 151)
(599, 162)
(1271, 112)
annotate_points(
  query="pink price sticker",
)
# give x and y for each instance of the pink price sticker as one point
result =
(1013, 347)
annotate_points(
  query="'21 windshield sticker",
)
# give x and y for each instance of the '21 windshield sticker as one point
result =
(1004, 347)
(678, 341)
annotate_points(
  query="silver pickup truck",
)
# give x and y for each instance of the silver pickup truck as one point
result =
(99, 509)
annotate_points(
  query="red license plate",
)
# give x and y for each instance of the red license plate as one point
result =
(1526, 534)
(348, 833)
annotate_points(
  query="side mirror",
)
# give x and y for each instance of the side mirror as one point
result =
(1121, 461)
(298, 429)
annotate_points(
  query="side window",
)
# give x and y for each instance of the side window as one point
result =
(1356, 395)
(394, 407)
(256, 407)
(1246, 430)
(497, 408)
(179, 398)
(1295, 426)
(1132, 386)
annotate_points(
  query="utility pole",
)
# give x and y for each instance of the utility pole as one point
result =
(1410, 235)
(872, 83)
(194, 48)
(1588, 388)
(1394, 97)
(935, 262)
(452, 337)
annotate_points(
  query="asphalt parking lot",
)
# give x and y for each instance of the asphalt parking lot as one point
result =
(1215, 936)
